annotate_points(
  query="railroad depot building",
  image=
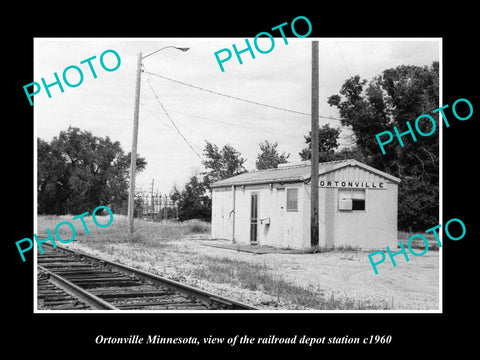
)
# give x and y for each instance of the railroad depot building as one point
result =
(357, 206)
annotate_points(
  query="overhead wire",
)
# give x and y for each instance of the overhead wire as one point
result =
(236, 97)
(173, 123)
(352, 142)
(343, 58)
(224, 95)
(155, 115)
(237, 125)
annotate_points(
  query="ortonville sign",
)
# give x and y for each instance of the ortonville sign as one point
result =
(376, 185)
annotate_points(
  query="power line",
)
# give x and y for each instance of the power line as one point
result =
(226, 95)
(173, 123)
(163, 122)
(344, 62)
(236, 97)
(155, 115)
(237, 125)
(223, 122)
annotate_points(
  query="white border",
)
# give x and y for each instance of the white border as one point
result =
(248, 312)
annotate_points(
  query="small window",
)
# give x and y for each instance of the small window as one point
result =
(292, 199)
(349, 200)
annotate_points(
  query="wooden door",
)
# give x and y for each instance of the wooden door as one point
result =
(253, 218)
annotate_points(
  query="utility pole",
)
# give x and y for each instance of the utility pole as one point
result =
(314, 143)
(133, 164)
(133, 160)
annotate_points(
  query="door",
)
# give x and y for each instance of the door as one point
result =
(253, 218)
(280, 238)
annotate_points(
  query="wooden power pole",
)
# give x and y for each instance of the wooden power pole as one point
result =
(133, 160)
(314, 143)
(133, 164)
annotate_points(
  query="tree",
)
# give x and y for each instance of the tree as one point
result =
(221, 164)
(51, 179)
(269, 158)
(174, 193)
(78, 171)
(193, 201)
(398, 95)
(327, 143)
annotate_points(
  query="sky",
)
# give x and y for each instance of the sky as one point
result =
(280, 78)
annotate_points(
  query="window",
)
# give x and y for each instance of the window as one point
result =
(351, 200)
(292, 199)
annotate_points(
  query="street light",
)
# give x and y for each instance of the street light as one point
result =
(175, 47)
(133, 160)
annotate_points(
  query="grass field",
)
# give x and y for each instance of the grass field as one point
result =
(339, 280)
(145, 232)
(418, 243)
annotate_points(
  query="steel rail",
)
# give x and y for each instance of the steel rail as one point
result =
(77, 291)
(203, 296)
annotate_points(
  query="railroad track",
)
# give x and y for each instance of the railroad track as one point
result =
(71, 280)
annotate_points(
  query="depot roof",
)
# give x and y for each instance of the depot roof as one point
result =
(294, 173)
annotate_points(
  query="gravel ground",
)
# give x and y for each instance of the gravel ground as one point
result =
(412, 285)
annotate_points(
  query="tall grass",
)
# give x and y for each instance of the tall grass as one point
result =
(418, 243)
(145, 232)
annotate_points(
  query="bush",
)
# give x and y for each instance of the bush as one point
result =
(199, 227)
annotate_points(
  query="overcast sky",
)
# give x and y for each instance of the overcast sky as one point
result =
(281, 78)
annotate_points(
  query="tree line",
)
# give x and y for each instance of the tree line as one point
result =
(77, 171)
